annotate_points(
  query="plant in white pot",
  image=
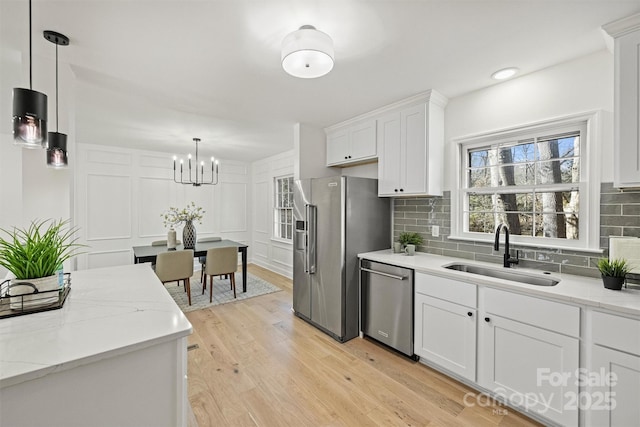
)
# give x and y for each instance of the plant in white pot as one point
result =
(34, 255)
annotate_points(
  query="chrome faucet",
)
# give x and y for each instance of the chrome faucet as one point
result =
(496, 245)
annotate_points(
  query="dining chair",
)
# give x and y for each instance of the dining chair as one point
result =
(220, 261)
(173, 266)
(203, 259)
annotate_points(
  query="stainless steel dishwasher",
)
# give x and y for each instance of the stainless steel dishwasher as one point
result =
(387, 305)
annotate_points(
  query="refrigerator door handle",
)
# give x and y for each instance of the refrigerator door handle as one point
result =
(310, 239)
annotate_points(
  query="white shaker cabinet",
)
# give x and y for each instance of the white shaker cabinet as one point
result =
(411, 144)
(352, 144)
(525, 344)
(445, 323)
(614, 386)
(627, 101)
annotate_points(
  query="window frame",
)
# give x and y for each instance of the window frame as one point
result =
(277, 209)
(588, 185)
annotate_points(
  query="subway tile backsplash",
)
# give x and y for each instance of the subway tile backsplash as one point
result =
(619, 216)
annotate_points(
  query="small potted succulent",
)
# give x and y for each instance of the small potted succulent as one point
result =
(613, 272)
(410, 238)
(35, 254)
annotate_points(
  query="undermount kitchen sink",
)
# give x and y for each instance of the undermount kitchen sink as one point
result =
(504, 274)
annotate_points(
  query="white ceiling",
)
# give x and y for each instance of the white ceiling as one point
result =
(153, 74)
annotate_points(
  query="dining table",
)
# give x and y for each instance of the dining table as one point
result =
(150, 253)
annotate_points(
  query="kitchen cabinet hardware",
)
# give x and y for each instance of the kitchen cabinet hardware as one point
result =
(469, 313)
(486, 319)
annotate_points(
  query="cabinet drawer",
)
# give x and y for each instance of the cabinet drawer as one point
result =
(621, 333)
(554, 316)
(446, 289)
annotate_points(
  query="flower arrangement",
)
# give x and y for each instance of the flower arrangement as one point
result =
(175, 216)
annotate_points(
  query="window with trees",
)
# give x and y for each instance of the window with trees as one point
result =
(533, 180)
(283, 211)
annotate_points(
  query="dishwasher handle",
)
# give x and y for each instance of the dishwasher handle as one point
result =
(393, 276)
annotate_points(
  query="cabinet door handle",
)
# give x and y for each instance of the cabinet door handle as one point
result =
(402, 189)
(469, 313)
(349, 156)
(395, 189)
(345, 157)
(486, 319)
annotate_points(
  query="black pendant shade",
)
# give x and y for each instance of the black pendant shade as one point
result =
(57, 142)
(29, 111)
(57, 150)
(29, 118)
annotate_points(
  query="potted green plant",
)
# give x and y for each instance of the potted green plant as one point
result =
(410, 238)
(613, 272)
(34, 255)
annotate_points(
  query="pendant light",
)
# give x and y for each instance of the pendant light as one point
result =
(57, 142)
(307, 53)
(196, 179)
(29, 111)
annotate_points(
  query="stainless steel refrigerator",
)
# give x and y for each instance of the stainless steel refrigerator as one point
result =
(335, 219)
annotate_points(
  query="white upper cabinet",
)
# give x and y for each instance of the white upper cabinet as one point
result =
(407, 140)
(627, 99)
(351, 144)
(411, 145)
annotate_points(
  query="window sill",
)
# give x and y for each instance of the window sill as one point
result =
(542, 245)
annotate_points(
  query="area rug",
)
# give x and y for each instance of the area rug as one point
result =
(222, 292)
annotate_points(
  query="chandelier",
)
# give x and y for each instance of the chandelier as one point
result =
(196, 179)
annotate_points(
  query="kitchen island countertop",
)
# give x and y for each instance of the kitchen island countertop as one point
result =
(109, 312)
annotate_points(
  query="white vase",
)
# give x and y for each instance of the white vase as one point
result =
(171, 239)
(30, 293)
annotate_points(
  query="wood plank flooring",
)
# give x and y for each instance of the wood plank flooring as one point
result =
(258, 365)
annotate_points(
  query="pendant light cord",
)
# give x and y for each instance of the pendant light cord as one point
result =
(56, 87)
(30, 58)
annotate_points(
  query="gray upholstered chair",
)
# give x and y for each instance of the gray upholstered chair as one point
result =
(203, 259)
(220, 261)
(173, 266)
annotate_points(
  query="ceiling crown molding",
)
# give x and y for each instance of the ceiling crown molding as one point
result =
(623, 26)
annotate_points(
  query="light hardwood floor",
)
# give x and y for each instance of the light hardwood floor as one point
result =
(258, 365)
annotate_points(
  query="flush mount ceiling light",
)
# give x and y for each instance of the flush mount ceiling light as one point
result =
(196, 180)
(505, 73)
(307, 53)
(56, 142)
(29, 111)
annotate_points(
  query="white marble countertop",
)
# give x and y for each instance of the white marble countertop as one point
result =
(108, 312)
(575, 289)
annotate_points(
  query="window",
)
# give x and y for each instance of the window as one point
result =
(283, 211)
(535, 180)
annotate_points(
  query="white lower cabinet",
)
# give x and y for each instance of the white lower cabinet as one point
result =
(445, 334)
(522, 349)
(529, 353)
(445, 323)
(526, 365)
(612, 399)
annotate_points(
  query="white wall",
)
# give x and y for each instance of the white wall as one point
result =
(268, 252)
(310, 152)
(121, 194)
(28, 189)
(584, 84)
